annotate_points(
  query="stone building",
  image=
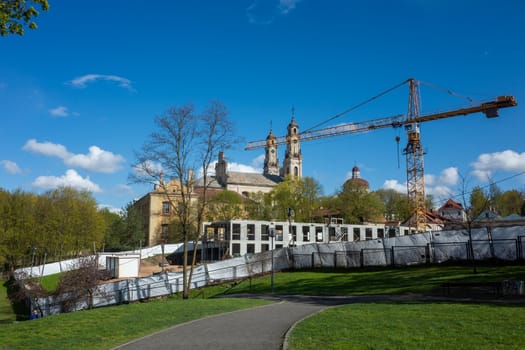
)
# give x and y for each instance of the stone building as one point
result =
(155, 206)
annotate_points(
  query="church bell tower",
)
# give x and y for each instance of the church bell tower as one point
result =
(271, 160)
(293, 159)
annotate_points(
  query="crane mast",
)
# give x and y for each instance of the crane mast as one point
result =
(415, 160)
(414, 149)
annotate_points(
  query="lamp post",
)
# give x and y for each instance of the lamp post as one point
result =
(272, 235)
(291, 214)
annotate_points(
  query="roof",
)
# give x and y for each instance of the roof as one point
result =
(253, 179)
(238, 178)
(450, 204)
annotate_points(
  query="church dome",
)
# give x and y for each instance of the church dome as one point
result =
(356, 178)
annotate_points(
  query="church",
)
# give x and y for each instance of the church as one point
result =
(246, 183)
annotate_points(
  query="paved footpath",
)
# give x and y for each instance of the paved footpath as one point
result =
(262, 327)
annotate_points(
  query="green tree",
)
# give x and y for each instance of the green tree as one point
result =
(510, 202)
(125, 231)
(258, 206)
(478, 200)
(17, 227)
(395, 204)
(17, 14)
(358, 205)
(225, 205)
(301, 194)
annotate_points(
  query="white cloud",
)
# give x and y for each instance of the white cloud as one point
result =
(286, 6)
(70, 179)
(266, 11)
(46, 148)
(243, 168)
(258, 162)
(111, 208)
(438, 186)
(448, 177)
(80, 82)
(97, 160)
(60, 111)
(395, 185)
(488, 163)
(11, 167)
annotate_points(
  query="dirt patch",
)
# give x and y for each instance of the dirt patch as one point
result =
(156, 264)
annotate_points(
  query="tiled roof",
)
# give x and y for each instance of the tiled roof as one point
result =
(238, 178)
(450, 204)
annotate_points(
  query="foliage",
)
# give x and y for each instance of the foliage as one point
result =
(16, 14)
(412, 326)
(49, 227)
(125, 230)
(358, 205)
(396, 204)
(478, 200)
(258, 206)
(226, 205)
(183, 142)
(300, 194)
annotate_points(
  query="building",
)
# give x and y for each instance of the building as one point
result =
(238, 237)
(155, 206)
(453, 211)
(156, 211)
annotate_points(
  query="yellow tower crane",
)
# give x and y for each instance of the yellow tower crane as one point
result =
(414, 150)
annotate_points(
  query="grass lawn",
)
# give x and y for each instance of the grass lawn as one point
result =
(367, 326)
(6, 311)
(413, 326)
(416, 279)
(108, 327)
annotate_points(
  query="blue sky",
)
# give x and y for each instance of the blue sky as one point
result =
(80, 94)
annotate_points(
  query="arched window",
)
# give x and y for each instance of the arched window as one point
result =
(296, 171)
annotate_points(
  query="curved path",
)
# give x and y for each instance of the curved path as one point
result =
(262, 327)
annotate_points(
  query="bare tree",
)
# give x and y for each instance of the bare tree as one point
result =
(473, 205)
(185, 141)
(80, 284)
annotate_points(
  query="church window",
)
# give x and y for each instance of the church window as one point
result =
(296, 171)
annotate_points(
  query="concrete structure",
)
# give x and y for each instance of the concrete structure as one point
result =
(239, 237)
(123, 265)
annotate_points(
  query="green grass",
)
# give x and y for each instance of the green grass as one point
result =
(105, 328)
(417, 279)
(50, 282)
(413, 326)
(6, 311)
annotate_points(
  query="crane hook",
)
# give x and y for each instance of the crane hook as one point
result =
(397, 142)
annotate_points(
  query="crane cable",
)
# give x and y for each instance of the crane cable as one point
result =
(357, 106)
(450, 92)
